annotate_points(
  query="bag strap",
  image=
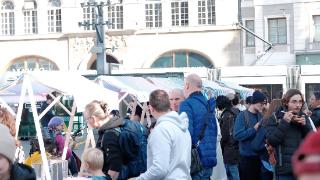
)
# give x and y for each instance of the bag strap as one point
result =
(203, 130)
(246, 118)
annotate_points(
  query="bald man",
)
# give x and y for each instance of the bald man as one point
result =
(176, 97)
(200, 111)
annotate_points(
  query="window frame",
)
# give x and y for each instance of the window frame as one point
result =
(7, 16)
(248, 35)
(277, 32)
(179, 13)
(115, 16)
(206, 12)
(152, 18)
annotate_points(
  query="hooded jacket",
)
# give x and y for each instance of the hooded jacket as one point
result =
(110, 145)
(22, 172)
(196, 107)
(285, 137)
(169, 149)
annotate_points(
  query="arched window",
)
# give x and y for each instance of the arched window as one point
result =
(109, 59)
(32, 63)
(7, 18)
(181, 59)
(54, 16)
(30, 17)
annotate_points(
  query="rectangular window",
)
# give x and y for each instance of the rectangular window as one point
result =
(30, 22)
(316, 24)
(7, 23)
(115, 16)
(54, 20)
(206, 12)
(277, 30)
(89, 17)
(153, 14)
(249, 37)
(179, 13)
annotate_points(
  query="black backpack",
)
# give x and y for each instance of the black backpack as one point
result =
(133, 144)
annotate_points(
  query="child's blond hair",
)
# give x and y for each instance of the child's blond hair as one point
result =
(94, 158)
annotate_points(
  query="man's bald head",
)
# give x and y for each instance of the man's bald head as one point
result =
(194, 81)
(192, 84)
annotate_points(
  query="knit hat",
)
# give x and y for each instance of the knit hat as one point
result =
(258, 97)
(8, 144)
(55, 121)
(310, 146)
(249, 100)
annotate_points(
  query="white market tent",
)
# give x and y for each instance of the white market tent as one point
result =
(38, 83)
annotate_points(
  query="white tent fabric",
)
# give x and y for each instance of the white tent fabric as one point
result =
(136, 86)
(67, 83)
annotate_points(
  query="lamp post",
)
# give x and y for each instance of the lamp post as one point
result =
(102, 66)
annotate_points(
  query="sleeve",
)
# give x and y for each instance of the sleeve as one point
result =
(185, 107)
(225, 127)
(59, 143)
(160, 147)
(111, 147)
(306, 128)
(241, 130)
(275, 133)
(316, 118)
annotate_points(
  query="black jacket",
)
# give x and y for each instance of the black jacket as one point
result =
(108, 142)
(229, 146)
(285, 137)
(315, 116)
(22, 172)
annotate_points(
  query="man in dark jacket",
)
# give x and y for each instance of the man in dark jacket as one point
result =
(230, 147)
(196, 107)
(246, 126)
(9, 169)
(315, 105)
(286, 131)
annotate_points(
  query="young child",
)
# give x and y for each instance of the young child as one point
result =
(92, 164)
(57, 126)
(9, 169)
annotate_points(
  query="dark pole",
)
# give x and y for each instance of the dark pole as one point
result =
(99, 49)
(102, 67)
(241, 35)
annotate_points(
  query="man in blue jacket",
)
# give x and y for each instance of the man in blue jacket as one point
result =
(246, 126)
(196, 107)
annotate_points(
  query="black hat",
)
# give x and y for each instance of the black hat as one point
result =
(258, 97)
(249, 100)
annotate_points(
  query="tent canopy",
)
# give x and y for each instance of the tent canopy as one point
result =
(67, 83)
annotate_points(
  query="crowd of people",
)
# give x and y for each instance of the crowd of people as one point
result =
(193, 136)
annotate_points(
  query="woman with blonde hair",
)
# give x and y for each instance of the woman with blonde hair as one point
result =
(96, 114)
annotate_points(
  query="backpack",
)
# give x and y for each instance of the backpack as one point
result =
(133, 144)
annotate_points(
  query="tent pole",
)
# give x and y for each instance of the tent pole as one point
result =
(38, 128)
(49, 107)
(61, 105)
(70, 127)
(20, 106)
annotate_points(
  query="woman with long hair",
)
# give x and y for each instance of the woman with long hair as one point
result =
(285, 130)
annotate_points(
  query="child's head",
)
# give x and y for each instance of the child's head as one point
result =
(7, 151)
(56, 123)
(93, 159)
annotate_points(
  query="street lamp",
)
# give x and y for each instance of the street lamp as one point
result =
(99, 49)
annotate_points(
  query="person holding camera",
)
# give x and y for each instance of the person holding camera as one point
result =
(286, 130)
